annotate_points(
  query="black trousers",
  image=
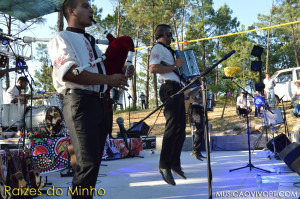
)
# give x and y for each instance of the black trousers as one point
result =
(242, 111)
(143, 104)
(174, 134)
(196, 115)
(85, 118)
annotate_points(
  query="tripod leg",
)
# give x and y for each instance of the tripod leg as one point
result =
(238, 168)
(261, 169)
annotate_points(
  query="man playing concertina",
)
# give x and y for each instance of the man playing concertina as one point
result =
(162, 61)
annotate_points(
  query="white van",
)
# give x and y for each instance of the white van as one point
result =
(285, 83)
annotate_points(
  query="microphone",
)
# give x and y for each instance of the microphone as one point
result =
(224, 77)
(120, 122)
(34, 39)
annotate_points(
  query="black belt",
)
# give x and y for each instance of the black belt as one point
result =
(172, 82)
(101, 95)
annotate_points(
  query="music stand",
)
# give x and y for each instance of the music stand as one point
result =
(273, 120)
(250, 165)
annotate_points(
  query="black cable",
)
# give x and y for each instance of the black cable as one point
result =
(148, 133)
(296, 184)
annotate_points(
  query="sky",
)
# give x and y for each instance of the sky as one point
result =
(246, 12)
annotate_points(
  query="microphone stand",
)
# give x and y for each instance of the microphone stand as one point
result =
(69, 168)
(206, 133)
(193, 81)
(129, 97)
(30, 83)
(23, 162)
(250, 165)
(286, 130)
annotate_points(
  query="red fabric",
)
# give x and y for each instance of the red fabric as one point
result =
(116, 55)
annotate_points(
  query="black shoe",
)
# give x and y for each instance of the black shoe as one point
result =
(196, 155)
(178, 171)
(201, 155)
(167, 176)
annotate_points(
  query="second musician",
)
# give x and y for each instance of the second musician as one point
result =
(162, 62)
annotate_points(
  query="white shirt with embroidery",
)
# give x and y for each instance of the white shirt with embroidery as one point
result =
(67, 49)
(10, 94)
(160, 53)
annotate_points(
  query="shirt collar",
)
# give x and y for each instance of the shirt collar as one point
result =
(77, 30)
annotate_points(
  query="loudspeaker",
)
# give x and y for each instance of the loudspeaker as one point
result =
(291, 156)
(142, 128)
(281, 141)
(149, 142)
(296, 165)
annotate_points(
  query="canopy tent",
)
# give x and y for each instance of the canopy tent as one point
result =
(25, 10)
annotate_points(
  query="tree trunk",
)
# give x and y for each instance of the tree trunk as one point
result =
(203, 54)
(294, 45)
(147, 79)
(174, 24)
(154, 75)
(267, 59)
(182, 24)
(7, 64)
(60, 21)
(224, 107)
(217, 71)
(155, 89)
(133, 81)
(124, 98)
(119, 19)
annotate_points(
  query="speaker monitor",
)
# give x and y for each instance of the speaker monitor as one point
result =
(296, 165)
(281, 141)
(291, 156)
(142, 128)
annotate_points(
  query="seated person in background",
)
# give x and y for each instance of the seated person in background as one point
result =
(56, 122)
(296, 93)
(13, 92)
(196, 116)
(297, 110)
(242, 107)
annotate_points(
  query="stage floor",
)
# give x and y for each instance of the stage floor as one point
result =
(139, 178)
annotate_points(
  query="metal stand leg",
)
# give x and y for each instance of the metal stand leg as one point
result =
(250, 165)
(275, 154)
